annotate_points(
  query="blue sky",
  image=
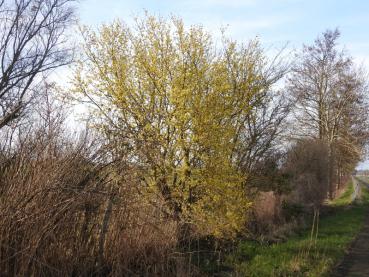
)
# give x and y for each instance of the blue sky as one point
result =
(275, 22)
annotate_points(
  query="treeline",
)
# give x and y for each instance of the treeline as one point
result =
(183, 133)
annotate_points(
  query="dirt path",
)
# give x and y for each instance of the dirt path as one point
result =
(356, 261)
(357, 188)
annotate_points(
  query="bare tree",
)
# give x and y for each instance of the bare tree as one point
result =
(261, 130)
(32, 44)
(328, 91)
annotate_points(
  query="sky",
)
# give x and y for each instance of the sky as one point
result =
(275, 22)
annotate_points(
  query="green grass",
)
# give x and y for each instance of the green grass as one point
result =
(298, 256)
(345, 198)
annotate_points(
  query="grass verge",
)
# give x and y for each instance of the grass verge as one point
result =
(299, 255)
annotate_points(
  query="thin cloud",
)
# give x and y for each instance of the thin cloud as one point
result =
(235, 3)
(239, 28)
(220, 3)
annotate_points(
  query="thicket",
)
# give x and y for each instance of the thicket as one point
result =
(182, 137)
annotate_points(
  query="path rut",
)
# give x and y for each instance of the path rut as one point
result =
(356, 261)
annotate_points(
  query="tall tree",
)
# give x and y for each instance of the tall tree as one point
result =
(177, 106)
(327, 91)
(32, 44)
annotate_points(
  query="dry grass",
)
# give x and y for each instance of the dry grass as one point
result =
(65, 211)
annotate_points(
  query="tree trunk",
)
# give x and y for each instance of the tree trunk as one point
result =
(331, 172)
